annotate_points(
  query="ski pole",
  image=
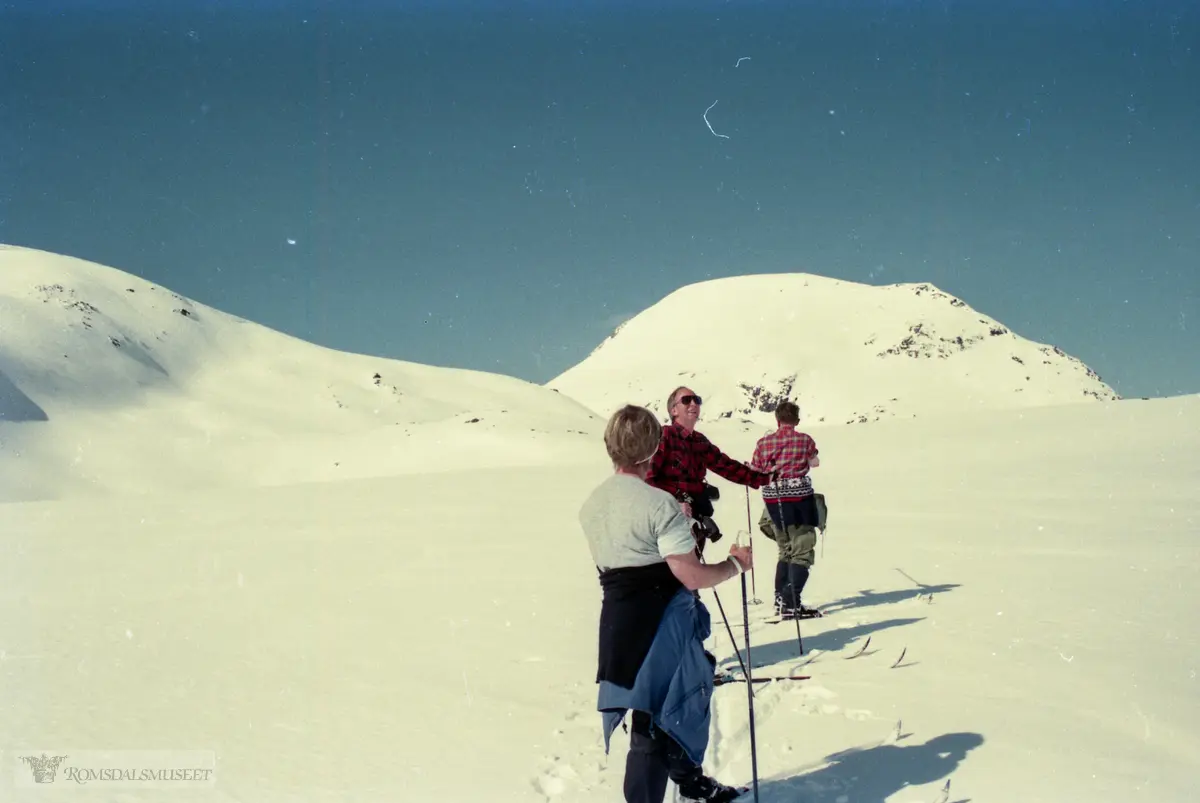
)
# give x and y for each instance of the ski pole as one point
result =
(750, 535)
(792, 583)
(783, 534)
(750, 687)
(732, 642)
(725, 619)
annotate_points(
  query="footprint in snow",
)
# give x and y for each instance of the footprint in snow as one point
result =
(555, 781)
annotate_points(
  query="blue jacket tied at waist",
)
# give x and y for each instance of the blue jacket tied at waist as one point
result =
(675, 683)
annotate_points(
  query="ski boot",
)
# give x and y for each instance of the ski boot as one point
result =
(780, 606)
(708, 790)
(800, 612)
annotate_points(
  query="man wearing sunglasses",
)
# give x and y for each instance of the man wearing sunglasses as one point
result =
(685, 456)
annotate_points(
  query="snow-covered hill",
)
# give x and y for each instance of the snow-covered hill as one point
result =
(1029, 604)
(847, 352)
(110, 383)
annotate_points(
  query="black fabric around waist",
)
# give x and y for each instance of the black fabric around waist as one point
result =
(632, 609)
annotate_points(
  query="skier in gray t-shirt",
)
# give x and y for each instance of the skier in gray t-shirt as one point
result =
(652, 624)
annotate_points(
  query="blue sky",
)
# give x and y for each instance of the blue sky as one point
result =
(496, 186)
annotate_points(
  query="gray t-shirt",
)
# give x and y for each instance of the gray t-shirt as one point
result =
(630, 523)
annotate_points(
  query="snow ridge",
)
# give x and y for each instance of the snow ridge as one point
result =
(111, 383)
(847, 352)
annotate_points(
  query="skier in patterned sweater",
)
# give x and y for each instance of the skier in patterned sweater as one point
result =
(685, 456)
(791, 515)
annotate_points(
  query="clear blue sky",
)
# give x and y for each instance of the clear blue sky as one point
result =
(496, 189)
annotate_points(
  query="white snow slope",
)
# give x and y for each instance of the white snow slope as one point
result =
(432, 638)
(109, 383)
(429, 636)
(847, 352)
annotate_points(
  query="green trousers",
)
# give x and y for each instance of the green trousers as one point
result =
(798, 545)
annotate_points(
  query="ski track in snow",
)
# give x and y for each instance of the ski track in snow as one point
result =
(781, 699)
(589, 775)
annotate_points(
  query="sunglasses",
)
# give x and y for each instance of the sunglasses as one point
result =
(689, 400)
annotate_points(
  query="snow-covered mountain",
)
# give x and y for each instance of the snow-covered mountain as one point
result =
(846, 352)
(109, 382)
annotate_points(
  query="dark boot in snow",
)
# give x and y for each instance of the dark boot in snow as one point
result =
(707, 790)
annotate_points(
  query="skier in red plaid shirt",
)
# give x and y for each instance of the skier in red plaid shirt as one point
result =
(791, 517)
(684, 457)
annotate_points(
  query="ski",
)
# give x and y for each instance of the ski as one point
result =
(723, 679)
(774, 620)
(862, 649)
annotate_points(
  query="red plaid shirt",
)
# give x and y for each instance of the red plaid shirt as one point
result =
(683, 459)
(787, 452)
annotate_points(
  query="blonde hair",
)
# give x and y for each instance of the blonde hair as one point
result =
(632, 436)
(671, 401)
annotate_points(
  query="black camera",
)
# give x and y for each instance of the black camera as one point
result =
(702, 511)
(706, 529)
